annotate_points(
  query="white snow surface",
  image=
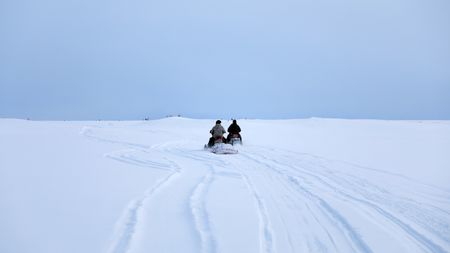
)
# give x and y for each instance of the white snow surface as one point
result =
(307, 185)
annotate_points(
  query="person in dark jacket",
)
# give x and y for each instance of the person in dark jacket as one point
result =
(234, 129)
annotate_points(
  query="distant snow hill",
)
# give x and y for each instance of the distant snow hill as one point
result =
(307, 185)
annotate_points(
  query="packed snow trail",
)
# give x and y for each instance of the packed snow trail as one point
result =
(303, 203)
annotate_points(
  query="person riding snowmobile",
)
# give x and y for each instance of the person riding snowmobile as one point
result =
(234, 129)
(217, 133)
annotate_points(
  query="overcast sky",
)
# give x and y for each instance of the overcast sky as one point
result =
(130, 59)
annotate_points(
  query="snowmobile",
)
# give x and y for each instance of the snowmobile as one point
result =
(219, 147)
(234, 139)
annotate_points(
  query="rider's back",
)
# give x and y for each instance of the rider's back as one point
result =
(217, 130)
(234, 129)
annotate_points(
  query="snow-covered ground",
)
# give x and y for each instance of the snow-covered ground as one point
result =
(312, 185)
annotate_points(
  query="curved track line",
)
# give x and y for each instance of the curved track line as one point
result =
(88, 133)
(266, 234)
(131, 217)
(200, 214)
(330, 212)
(419, 238)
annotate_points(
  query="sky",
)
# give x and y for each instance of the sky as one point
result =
(131, 59)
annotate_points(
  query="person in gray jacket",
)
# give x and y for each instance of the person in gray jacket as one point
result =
(217, 133)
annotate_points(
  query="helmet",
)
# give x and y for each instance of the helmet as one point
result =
(218, 121)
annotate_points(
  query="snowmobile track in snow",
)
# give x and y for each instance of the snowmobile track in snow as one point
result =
(310, 191)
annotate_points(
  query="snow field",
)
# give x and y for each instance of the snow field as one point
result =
(318, 185)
